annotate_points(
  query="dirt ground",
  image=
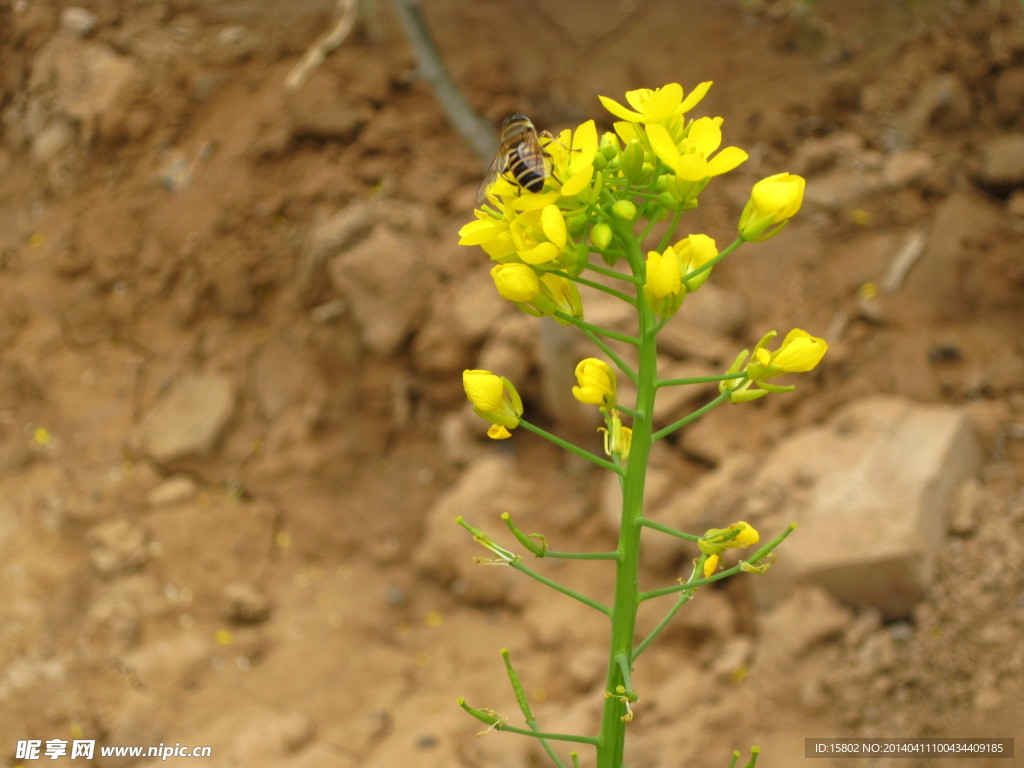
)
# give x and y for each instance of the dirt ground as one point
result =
(233, 322)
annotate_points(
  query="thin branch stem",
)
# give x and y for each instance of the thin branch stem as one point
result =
(583, 325)
(596, 605)
(723, 397)
(647, 523)
(621, 364)
(700, 379)
(591, 457)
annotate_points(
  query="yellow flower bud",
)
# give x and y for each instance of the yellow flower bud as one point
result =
(710, 565)
(516, 282)
(800, 352)
(597, 383)
(773, 202)
(495, 399)
(663, 290)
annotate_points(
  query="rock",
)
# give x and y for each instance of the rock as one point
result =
(119, 547)
(462, 314)
(323, 108)
(173, 490)
(906, 167)
(1001, 167)
(488, 487)
(1009, 94)
(868, 492)
(388, 285)
(716, 310)
(281, 376)
(245, 604)
(272, 735)
(83, 81)
(942, 103)
(190, 418)
(176, 661)
(78, 21)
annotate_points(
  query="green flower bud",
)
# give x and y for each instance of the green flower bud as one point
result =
(632, 160)
(600, 162)
(600, 235)
(624, 209)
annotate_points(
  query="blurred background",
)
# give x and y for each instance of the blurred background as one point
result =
(233, 439)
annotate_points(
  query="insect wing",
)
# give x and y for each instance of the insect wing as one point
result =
(498, 165)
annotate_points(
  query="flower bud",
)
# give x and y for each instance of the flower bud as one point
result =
(632, 160)
(516, 282)
(495, 399)
(773, 201)
(624, 209)
(597, 383)
(600, 235)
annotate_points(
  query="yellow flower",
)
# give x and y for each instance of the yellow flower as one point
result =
(516, 282)
(662, 105)
(738, 535)
(690, 157)
(773, 202)
(694, 252)
(495, 399)
(597, 383)
(560, 294)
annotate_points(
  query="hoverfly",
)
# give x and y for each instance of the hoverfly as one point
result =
(520, 155)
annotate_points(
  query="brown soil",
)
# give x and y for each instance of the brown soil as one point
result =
(179, 237)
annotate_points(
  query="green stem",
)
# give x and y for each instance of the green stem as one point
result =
(597, 606)
(495, 721)
(614, 274)
(668, 529)
(612, 736)
(598, 287)
(619, 362)
(623, 337)
(723, 397)
(582, 555)
(684, 598)
(700, 379)
(571, 447)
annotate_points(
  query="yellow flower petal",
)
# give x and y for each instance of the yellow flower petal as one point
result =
(664, 102)
(553, 224)
(663, 145)
(695, 96)
(578, 182)
(542, 253)
(726, 160)
(620, 111)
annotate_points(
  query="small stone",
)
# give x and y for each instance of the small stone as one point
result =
(1002, 162)
(173, 490)
(78, 21)
(245, 604)
(189, 419)
(119, 548)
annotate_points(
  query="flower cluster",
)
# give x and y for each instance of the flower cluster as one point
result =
(652, 166)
